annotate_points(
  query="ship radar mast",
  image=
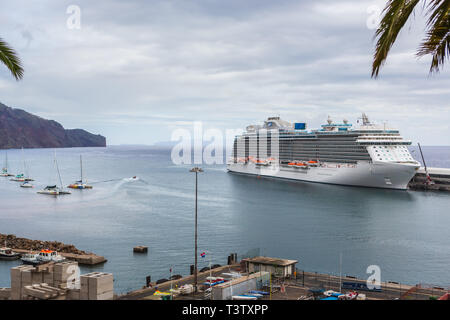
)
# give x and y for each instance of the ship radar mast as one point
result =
(365, 119)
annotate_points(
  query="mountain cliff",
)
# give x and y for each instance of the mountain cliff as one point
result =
(19, 128)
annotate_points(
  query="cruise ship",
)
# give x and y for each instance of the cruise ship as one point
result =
(368, 155)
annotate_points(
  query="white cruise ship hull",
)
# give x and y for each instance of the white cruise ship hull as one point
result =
(364, 174)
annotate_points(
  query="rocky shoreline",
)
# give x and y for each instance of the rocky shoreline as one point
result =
(33, 245)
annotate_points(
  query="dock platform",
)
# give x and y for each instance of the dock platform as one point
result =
(439, 176)
(82, 259)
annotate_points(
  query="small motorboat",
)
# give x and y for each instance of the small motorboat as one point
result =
(44, 256)
(8, 254)
(26, 184)
(29, 258)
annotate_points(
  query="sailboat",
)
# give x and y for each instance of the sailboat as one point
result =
(27, 183)
(80, 184)
(23, 177)
(27, 180)
(5, 172)
(54, 190)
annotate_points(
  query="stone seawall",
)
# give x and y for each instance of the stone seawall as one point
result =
(27, 244)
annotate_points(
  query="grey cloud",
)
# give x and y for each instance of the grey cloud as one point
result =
(227, 63)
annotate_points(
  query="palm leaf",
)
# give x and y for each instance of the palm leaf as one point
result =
(396, 13)
(10, 59)
(437, 40)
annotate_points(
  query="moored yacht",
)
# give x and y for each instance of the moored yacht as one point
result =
(80, 184)
(50, 190)
(19, 178)
(8, 254)
(53, 189)
(5, 172)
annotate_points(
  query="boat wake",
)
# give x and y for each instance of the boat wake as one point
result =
(134, 179)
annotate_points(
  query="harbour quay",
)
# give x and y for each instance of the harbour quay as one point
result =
(440, 179)
(266, 278)
(256, 278)
(88, 259)
(27, 246)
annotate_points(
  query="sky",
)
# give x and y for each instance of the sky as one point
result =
(135, 71)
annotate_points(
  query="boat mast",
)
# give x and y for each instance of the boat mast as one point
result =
(81, 166)
(59, 175)
(24, 167)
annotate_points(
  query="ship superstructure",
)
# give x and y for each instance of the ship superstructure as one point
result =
(370, 155)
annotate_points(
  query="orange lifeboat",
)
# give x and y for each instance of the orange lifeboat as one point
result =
(313, 163)
(301, 165)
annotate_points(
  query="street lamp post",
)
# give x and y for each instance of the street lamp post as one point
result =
(196, 170)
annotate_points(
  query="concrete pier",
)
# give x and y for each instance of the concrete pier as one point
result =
(83, 259)
(440, 177)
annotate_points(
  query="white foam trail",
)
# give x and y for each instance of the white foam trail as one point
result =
(131, 179)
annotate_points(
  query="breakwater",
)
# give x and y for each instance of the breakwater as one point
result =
(68, 251)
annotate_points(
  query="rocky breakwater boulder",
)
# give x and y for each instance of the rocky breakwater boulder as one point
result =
(68, 251)
(34, 245)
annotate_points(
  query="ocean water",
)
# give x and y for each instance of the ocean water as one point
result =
(406, 233)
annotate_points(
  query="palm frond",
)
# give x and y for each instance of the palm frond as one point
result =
(396, 13)
(10, 59)
(437, 40)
